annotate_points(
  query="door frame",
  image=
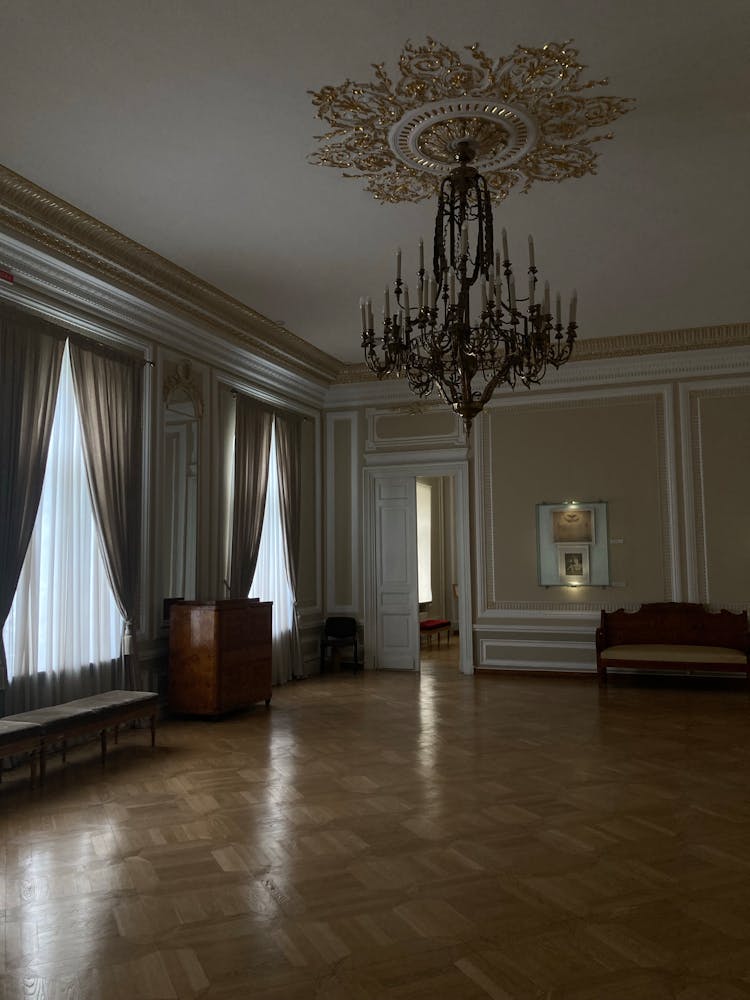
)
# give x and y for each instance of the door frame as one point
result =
(459, 471)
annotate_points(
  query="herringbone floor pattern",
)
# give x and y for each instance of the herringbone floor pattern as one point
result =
(389, 836)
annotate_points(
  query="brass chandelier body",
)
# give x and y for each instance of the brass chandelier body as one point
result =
(436, 343)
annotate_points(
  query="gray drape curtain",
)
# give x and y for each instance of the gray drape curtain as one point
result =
(288, 446)
(109, 393)
(31, 353)
(251, 450)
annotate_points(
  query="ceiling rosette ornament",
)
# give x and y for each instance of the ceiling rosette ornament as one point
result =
(529, 117)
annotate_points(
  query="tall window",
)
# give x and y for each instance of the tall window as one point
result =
(424, 542)
(271, 582)
(63, 634)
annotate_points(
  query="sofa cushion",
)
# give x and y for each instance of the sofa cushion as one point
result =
(116, 699)
(669, 653)
(56, 717)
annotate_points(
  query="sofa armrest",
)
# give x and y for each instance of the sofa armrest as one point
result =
(601, 639)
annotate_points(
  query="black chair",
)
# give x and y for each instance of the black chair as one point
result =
(339, 633)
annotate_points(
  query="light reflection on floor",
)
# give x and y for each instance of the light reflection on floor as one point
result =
(440, 658)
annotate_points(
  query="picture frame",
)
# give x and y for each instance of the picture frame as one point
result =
(573, 525)
(573, 565)
(578, 528)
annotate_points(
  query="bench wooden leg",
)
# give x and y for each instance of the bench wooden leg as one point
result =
(104, 745)
(42, 762)
(117, 733)
(152, 720)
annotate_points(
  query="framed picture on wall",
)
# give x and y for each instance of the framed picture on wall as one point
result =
(573, 524)
(573, 564)
(572, 544)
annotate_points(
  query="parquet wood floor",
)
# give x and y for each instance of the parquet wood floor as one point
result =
(396, 837)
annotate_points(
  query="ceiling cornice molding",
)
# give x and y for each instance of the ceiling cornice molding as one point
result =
(628, 345)
(85, 303)
(34, 215)
(662, 342)
(594, 373)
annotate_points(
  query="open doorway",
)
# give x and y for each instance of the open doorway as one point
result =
(437, 573)
(391, 626)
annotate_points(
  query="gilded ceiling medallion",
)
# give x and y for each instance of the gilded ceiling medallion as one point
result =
(526, 115)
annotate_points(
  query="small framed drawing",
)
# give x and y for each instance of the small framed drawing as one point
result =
(573, 564)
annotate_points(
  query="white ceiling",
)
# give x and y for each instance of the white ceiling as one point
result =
(186, 125)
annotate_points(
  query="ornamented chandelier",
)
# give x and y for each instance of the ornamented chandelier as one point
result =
(523, 118)
(435, 343)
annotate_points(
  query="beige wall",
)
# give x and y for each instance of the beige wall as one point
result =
(671, 459)
(585, 450)
(721, 461)
(398, 427)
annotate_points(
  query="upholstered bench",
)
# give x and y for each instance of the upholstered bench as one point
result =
(45, 727)
(432, 626)
(20, 737)
(673, 636)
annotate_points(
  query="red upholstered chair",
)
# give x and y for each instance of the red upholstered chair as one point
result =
(429, 626)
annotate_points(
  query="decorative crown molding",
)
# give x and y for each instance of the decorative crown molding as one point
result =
(182, 380)
(37, 216)
(627, 345)
(661, 342)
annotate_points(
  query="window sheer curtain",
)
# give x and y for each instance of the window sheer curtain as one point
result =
(64, 628)
(109, 386)
(30, 358)
(271, 580)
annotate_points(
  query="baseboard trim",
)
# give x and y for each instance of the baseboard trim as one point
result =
(589, 675)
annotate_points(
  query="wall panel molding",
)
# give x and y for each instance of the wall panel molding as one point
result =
(352, 504)
(662, 399)
(540, 655)
(454, 438)
(692, 398)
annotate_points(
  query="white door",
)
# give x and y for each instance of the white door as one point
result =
(396, 577)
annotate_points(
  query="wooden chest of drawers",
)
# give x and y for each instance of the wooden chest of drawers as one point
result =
(219, 655)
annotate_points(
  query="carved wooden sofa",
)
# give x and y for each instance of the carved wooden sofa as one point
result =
(36, 731)
(673, 636)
